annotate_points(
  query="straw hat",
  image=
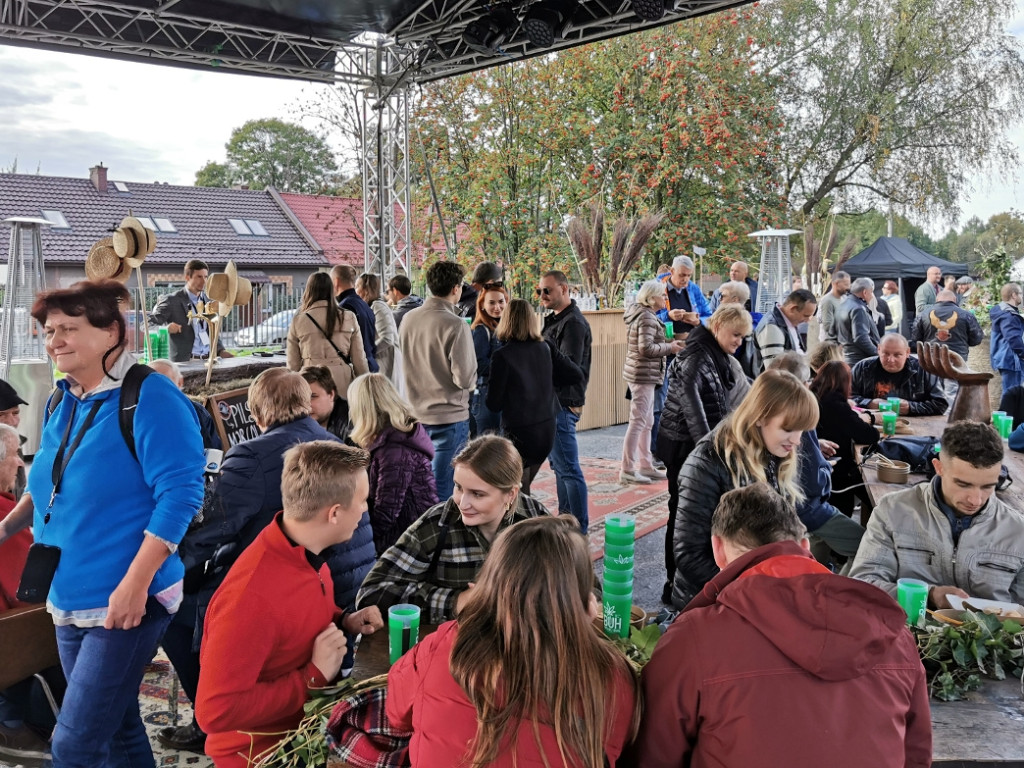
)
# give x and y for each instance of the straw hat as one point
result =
(228, 289)
(103, 263)
(133, 241)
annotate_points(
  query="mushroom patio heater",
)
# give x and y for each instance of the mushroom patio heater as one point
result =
(774, 280)
(23, 360)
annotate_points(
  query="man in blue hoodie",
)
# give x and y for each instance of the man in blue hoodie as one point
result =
(1006, 347)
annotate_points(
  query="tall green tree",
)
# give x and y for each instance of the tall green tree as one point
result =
(897, 100)
(272, 152)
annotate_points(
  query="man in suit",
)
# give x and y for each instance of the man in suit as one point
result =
(188, 339)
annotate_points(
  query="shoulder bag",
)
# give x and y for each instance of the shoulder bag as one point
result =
(344, 358)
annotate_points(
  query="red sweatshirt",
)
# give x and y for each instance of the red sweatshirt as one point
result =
(424, 698)
(257, 648)
(13, 554)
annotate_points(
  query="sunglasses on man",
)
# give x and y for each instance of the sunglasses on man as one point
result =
(544, 291)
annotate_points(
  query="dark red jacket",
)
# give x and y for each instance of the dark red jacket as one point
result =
(424, 698)
(402, 485)
(13, 553)
(779, 662)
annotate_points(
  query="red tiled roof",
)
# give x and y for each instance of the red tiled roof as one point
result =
(200, 215)
(336, 223)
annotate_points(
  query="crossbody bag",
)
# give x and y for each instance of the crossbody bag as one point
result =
(344, 358)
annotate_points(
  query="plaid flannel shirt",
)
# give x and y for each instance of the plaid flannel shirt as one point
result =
(397, 577)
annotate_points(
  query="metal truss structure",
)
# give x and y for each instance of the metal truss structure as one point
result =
(387, 225)
(418, 41)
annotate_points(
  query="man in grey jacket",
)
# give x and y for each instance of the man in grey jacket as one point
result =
(440, 369)
(856, 329)
(952, 533)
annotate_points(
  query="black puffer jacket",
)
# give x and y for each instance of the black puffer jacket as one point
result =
(697, 397)
(702, 481)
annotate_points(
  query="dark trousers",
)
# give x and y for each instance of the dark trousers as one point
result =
(674, 455)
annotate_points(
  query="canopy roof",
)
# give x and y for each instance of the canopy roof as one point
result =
(316, 39)
(894, 257)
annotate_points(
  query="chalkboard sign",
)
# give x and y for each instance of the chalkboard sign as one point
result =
(230, 411)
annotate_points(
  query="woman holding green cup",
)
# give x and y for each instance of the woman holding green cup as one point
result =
(523, 676)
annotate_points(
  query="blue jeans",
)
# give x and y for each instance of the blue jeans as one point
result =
(1010, 379)
(485, 420)
(448, 440)
(660, 393)
(99, 724)
(565, 461)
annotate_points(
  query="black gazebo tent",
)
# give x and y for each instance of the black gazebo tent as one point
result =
(893, 258)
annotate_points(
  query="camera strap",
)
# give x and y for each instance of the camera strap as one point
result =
(65, 452)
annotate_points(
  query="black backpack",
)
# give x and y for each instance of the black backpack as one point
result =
(131, 385)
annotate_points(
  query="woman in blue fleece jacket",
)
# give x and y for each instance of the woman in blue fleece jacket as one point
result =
(116, 519)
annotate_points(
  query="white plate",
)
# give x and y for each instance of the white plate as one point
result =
(980, 604)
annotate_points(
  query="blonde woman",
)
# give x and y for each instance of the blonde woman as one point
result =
(322, 333)
(646, 350)
(522, 678)
(825, 352)
(401, 479)
(757, 443)
(389, 353)
(435, 561)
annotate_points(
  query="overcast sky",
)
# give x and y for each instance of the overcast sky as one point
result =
(63, 113)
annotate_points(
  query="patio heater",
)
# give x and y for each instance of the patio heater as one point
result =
(775, 278)
(23, 360)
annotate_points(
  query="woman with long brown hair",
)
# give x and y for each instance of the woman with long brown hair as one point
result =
(389, 352)
(523, 677)
(757, 443)
(490, 305)
(322, 333)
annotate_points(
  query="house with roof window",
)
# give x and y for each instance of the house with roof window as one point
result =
(253, 228)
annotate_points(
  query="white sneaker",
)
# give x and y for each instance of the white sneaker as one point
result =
(653, 473)
(636, 478)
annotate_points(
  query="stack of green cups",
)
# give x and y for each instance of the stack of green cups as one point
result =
(1003, 423)
(158, 342)
(619, 543)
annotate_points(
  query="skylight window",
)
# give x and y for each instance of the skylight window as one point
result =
(147, 222)
(256, 227)
(56, 218)
(164, 225)
(248, 227)
(120, 186)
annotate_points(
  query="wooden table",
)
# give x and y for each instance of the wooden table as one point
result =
(227, 369)
(934, 425)
(372, 658)
(984, 731)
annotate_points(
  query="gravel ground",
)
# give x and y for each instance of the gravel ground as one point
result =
(649, 560)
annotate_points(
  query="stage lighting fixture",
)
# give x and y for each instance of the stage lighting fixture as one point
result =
(548, 21)
(649, 10)
(488, 33)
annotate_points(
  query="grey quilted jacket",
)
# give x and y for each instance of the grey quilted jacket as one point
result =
(646, 346)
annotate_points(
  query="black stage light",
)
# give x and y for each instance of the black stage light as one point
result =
(488, 33)
(548, 21)
(649, 10)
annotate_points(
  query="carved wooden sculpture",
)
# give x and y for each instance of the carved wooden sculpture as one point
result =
(972, 402)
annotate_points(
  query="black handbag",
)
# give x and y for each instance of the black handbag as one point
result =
(917, 451)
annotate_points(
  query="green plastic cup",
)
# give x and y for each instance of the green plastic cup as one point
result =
(612, 576)
(624, 524)
(1005, 427)
(616, 610)
(670, 330)
(618, 558)
(403, 629)
(619, 540)
(912, 595)
(888, 423)
(885, 406)
(894, 402)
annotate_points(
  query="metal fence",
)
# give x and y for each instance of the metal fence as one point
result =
(263, 322)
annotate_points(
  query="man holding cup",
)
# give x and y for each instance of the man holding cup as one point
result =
(954, 534)
(273, 630)
(894, 373)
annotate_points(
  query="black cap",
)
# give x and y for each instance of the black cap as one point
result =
(8, 397)
(486, 272)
